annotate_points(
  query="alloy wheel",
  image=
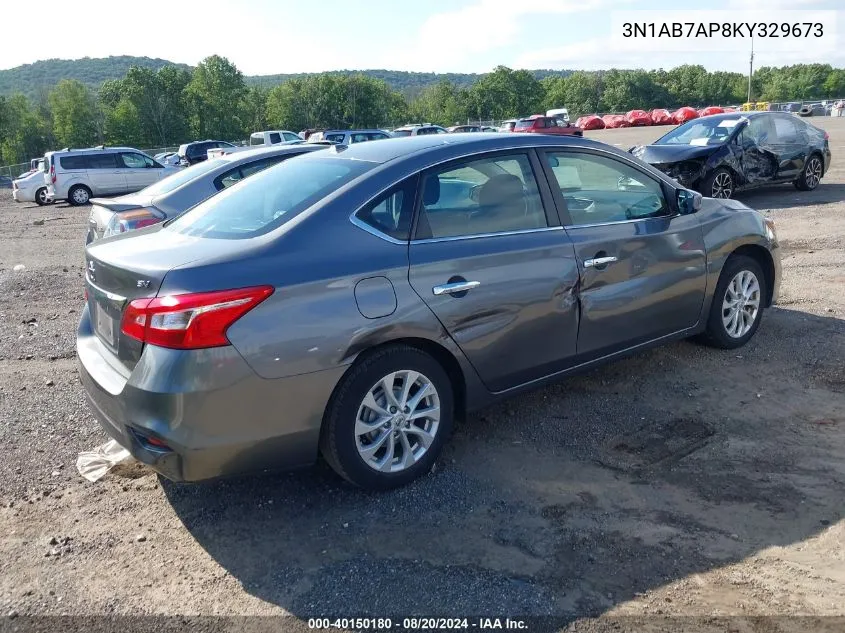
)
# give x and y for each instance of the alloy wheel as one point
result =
(741, 304)
(42, 196)
(397, 421)
(814, 173)
(723, 186)
(80, 196)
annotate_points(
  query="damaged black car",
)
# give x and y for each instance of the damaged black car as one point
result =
(721, 154)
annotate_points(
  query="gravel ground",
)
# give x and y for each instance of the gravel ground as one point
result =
(727, 500)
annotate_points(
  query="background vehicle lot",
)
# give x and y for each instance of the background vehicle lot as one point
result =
(556, 502)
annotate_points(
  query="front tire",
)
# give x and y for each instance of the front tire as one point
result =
(388, 418)
(41, 196)
(79, 195)
(719, 184)
(738, 303)
(811, 175)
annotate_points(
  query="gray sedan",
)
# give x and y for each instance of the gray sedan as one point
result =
(357, 301)
(173, 195)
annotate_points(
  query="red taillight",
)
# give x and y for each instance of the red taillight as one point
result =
(53, 174)
(190, 321)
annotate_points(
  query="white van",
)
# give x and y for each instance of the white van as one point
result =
(77, 175)
(559, 113)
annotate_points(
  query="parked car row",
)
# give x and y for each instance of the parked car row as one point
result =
(354, 300)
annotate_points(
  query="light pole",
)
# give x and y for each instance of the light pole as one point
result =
(750, 69)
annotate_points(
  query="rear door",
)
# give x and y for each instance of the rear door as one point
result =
(104, 173)
(642, 266)
(490, 259)
(792, 145)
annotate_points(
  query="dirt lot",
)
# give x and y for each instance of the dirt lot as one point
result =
(682, 482)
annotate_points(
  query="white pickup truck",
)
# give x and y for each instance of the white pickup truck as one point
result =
(258, 139)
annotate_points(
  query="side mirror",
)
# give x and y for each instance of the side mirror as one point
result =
(688, 201)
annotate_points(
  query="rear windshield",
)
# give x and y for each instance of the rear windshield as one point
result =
(524, 124)
(166, 185)
(265, 201)
(401, 132)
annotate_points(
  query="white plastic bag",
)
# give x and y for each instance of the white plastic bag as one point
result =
(93, 465)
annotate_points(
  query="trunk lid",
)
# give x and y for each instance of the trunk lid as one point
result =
(133, 266)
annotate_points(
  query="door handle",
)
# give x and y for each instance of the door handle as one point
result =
(455, 287)
(599, 262)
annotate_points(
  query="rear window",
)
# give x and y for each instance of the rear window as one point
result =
(275, 137)
(73, 162)
(524, 124)
(335, 138)
(401, 133)
(267, 200)
(166, 185)
(256, 140)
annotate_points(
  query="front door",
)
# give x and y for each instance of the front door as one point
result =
(105, 175)
(141, 171)
(491, 261)
(643, 266)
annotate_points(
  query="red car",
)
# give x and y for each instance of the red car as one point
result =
(539, 124)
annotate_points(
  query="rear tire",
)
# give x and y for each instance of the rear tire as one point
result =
(719, 184)
(41, 196)
(388, 418)
(79, 195)
(811, 175)
(738, 302)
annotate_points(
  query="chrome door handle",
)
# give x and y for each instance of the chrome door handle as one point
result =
(458, 286)
(599, 261)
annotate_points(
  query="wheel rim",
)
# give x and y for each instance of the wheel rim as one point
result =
(723, 186)
(397, 421)
(80, 196)
(814, 173)
(741, 304)
(42, 195)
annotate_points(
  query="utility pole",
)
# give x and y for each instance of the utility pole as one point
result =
(750, 69)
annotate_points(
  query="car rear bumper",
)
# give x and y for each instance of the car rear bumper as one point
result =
(214, 415)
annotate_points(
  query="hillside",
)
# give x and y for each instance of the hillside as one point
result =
(31, 79)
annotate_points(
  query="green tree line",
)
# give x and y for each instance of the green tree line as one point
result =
(151, 107)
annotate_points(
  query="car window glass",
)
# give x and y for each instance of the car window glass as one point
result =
(73, 162)
(376, 136)
(760, 131)
(101, 161)
(268, 199)
(360, 137)
(335, 138)
(290, 136)
(133, 161)
(597, 189)
(489, 195)
(256, 140)
(227, 179)
(275, 137)
(786, 130)
(390, 213)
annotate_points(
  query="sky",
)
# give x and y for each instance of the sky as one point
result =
(287, 36)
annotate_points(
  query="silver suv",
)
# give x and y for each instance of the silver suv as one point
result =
(77, 175)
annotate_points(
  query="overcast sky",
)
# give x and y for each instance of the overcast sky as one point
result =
(285, 36)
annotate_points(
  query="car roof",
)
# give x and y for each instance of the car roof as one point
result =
(90, 150)
(272, 150)
(464, 143)
(355, 131)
